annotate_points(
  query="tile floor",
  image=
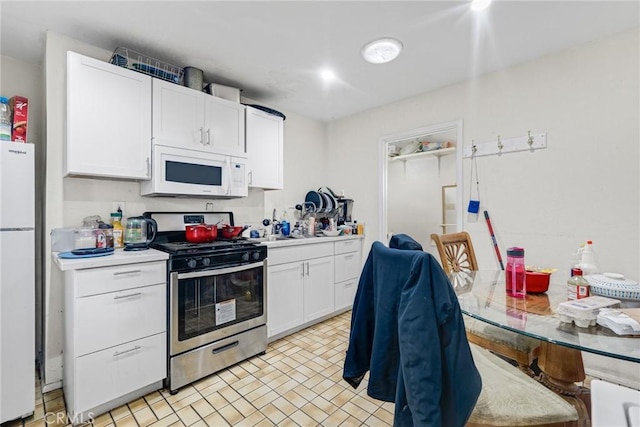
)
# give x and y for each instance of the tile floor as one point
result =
(298, 382)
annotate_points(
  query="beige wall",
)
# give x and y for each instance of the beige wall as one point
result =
(583, 186)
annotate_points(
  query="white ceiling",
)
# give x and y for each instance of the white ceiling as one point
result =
(274, 50)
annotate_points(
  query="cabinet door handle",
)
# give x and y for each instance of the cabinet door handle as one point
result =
(119, 353)
(307, 268)
(148, 167)
(202, 135)
(250, 177)
(348, 257)
(128, 295)
(208, 136)
(120, 273)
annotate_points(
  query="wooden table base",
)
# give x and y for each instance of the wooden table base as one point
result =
(561, 368)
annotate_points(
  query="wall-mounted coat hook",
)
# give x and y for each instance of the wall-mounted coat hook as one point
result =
(529, 142)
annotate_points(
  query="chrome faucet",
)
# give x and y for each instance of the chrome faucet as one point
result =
(274, 221)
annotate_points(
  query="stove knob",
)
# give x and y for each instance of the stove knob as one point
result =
(256, 255)
(192, 263)
(206, 261)
(245, 256)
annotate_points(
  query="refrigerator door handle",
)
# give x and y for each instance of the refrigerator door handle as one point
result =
(18, 229)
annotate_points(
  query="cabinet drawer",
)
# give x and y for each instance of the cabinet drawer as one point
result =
(348, 266)
(346, 246)
(111, 319)
(114, 372)
(93, 281)
(345, 293)
(299, 252)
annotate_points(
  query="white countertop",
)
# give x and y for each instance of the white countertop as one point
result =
(119, 257)
(304, 240)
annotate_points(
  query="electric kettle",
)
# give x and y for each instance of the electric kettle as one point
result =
(138, 233)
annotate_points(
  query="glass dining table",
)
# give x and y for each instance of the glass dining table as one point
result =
(482, 296)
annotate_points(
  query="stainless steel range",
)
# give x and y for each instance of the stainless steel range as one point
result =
(216, 298)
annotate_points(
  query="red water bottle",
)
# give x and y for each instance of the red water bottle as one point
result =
(515, 273)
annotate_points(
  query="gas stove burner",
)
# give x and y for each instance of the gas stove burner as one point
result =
(192, 248)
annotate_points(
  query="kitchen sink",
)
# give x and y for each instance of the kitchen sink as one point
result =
(295, 237)
(280, 237)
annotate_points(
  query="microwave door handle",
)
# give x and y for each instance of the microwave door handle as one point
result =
(229, 178)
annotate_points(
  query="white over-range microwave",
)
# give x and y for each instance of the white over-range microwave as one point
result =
(184, 172)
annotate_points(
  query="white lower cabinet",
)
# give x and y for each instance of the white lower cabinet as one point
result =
(117, 371)
(115, 335)
(307, 283)
(318, 288)
(299, 285)
(284, 299)
(348, 269)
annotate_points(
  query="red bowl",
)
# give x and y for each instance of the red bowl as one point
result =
(537, 283)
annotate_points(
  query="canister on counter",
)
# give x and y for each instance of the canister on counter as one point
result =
(85, 238)
(104, 236)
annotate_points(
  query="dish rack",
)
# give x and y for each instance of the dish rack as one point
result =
(128, 58)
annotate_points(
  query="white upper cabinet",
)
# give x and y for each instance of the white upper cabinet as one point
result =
(108, 120)
(224, 125)
(178, 116)
(265, 149)
(186, 118)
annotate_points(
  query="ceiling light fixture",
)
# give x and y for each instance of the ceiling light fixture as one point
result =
(327, 75)
(381, 50)
(478, 5)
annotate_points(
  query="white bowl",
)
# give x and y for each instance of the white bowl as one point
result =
(613, 286)
(332, 233)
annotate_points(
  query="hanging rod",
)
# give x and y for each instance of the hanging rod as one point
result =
(529, 142)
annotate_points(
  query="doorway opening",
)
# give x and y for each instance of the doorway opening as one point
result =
(414, 167)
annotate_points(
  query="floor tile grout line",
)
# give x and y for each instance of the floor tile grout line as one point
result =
(313, 347)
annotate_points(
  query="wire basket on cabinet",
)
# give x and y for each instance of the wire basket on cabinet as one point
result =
(128, 58)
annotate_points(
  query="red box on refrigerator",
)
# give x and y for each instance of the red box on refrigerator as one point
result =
(20, 111)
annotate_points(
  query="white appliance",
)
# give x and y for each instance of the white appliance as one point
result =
(184, 172)
(17, 280)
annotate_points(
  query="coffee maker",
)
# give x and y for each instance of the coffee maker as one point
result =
(345, 210)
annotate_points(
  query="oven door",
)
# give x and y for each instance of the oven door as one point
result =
(209, 305)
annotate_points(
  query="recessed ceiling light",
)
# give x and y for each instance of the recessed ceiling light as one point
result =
(327, 75)
(381, 50)
(477, 5)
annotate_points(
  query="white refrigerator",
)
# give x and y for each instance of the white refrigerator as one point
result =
(17, 280)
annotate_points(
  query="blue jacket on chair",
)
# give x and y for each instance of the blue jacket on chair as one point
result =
(407, 331)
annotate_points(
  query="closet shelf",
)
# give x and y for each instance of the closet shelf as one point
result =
(422, 154)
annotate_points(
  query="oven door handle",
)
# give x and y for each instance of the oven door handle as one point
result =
(220, 271)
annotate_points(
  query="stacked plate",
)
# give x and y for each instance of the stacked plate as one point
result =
(613, 285)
